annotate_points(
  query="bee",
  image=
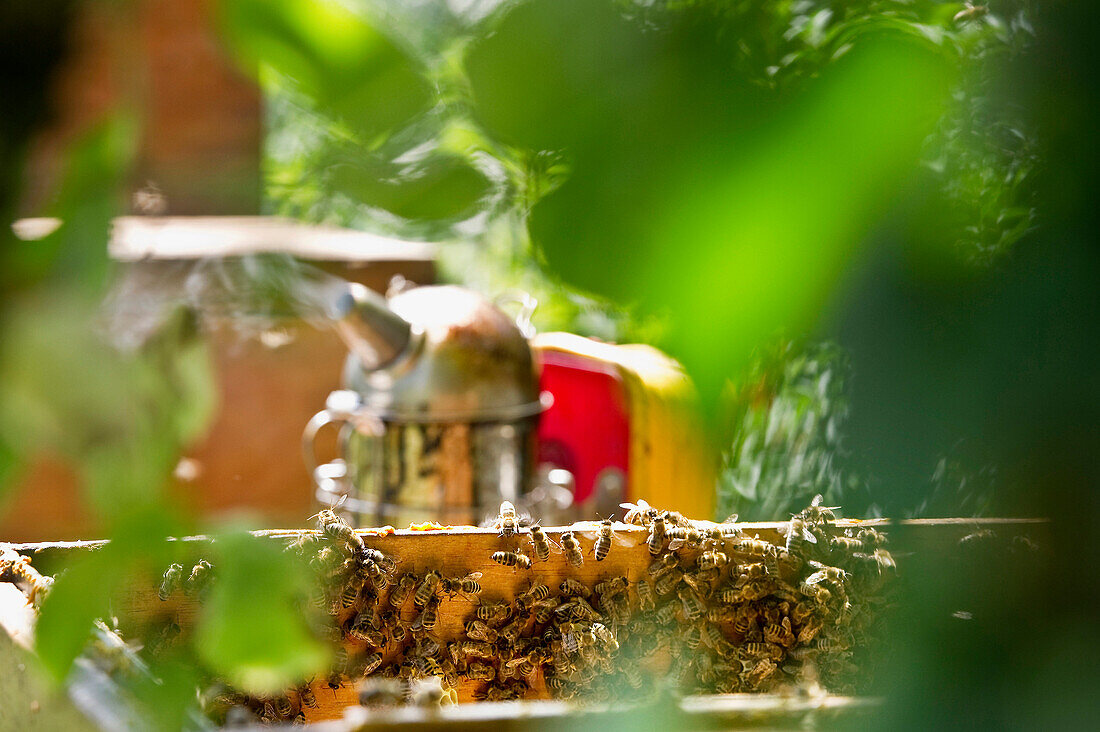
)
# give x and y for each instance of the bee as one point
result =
(692, 637)
(760, 672)
(572, 588)
(712, 559)
(511, 631)
(512, 559)
(657, 531)
(536, 592)
(815, 513)
(282, 706)
(340, 660)
(797, 534)
(639, 514)
(715, 640)
(647, 598)
(466, 585)
(402, 590)
(572, 549)
(430, 614)
(772, 559)
(755, 546)
(832, 575)
(506, 521)
(172, 577)
(519, 667)
(397, 626)
(199, 579)
(479, 671)
(541, 544)
(681, 536)
(351, 591)
(306, 697)
(744, 620)
(612, 586)
(333, 528)
(427, 588)
(666, 582)
(371, 662)
(493, 611)
(780, 633)
(660, 565)
(477, 649)
(479, 630)
(605, 536)
(700, 580)
(845, 544)
(694, 607)
(544, 609)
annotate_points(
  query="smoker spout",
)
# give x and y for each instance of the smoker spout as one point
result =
(374, 333)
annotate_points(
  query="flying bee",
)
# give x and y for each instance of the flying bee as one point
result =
(660, 565)
(541, 544)
(426, 590)
(402, 590)
(467, 585)
(172, 577)
(639, 514)
(647, 598)
(656, 540)
(506, 521)
(681, 536)
(572, 549)
(970, 12)
(572, 588)
(604, 537)
(512, 559)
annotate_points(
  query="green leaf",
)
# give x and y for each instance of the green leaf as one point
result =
(252, 631)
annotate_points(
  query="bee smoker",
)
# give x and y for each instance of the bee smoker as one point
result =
(438, 415)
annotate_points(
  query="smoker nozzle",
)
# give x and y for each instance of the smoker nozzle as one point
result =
(374, 333)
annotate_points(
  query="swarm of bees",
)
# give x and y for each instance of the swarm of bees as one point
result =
(714, 611)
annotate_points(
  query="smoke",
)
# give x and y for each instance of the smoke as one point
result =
(254, 295)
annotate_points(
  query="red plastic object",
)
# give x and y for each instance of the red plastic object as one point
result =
(587, 429)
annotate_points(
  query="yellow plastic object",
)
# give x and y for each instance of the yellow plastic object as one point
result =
(671, 465)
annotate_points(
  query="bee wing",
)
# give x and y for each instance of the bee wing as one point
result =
(816, 577)
(675, 544)
(621, 541)
(731, 519)
(592, 535)
(473, 576)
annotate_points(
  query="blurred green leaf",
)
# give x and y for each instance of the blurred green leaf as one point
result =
(252, 630)
(332, 55)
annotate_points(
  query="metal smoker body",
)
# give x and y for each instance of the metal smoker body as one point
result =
(438, 412)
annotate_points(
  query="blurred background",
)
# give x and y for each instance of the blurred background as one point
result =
(864, 228)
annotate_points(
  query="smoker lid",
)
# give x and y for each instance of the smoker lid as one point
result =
(467, 362)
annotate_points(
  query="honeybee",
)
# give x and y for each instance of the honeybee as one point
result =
(764, 668)
(572, 588)
(430, 614)
(427, 589)
(541, 544)
(681, 536)
(305, 696)
(572, 549)
(657, 530)
(333, 528)
(694, 607)
(772, 559)
(714, 639)
(511, 631)
(172, 577)
(744, 619)
(480, 630)
(700, 580)
(712, 559)
(371, 662)
(666, 582)
(512, 559)
(612, 586)
(815, 513)
(479, 671)
(493, 611)
(845, 544)
(545, 608)
(199, 579)
(647, 598)
(506, 521)
(604, 537)
(780, 633)
(467, 585)
(282, 706)
(639, 514)
(833, 575)
(660, 565)
(340, 660)
(395, 624)
(797, 534)
(534, 593)
(402, 590)
(351, 591)
(755, 546)
(691, 637)
(970, 12)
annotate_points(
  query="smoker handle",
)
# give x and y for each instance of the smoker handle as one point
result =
(339, 410)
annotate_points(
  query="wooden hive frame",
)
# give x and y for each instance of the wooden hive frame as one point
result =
(458, 551)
